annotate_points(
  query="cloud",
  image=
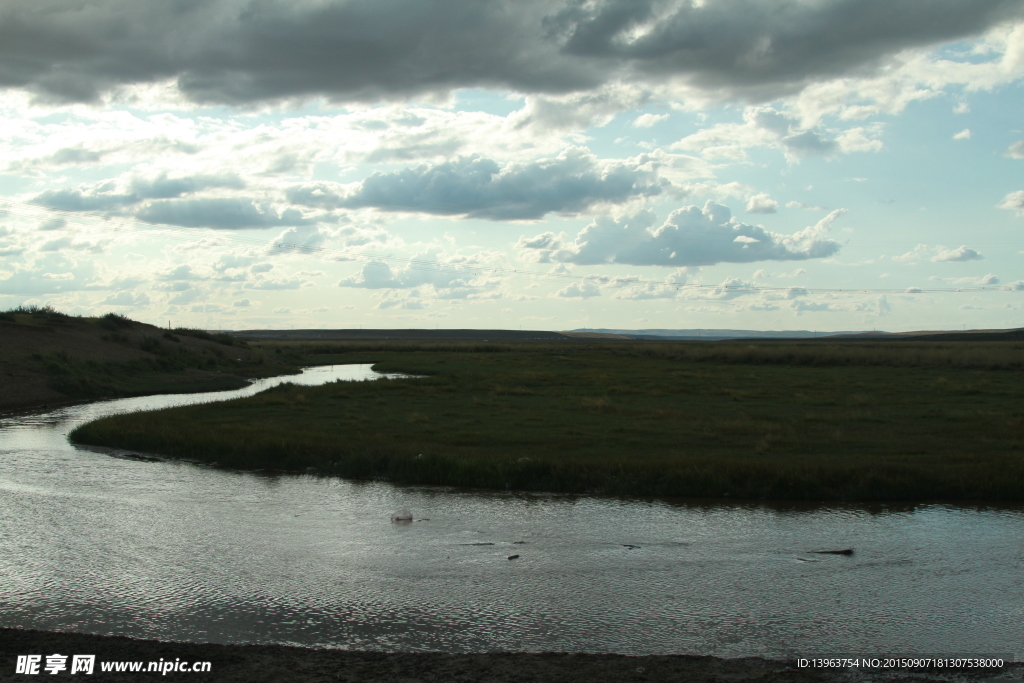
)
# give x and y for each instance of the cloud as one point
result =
(802, 205)
(1013, 202)
(579, 290)
(51, 273)
(446, 276)
(478, 187)
(230, 261)
(229, 52)
(109, 195)
(961, 254)
(938, 254)
(809, 307)
(762, 203)
(410, 304)
(648, 120)
(982, 281)
(691, 236)
(67, 244)
(768, 127)
(219, 213)
(53, 224)
(301, 240)
(965, 134)
(126, 299)
(278, 283)
(1016, 150)
(79, 200)
(179, 273)
(650, 290)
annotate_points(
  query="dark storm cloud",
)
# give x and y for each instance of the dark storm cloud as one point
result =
(479, 188)
(236, 51)
(769, 42)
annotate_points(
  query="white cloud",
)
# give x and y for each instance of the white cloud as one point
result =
(51, 273)
(579, 290)
(477, 187)
(648, 120)
(126, 299)
(768, 127)
(278, 283)
(304, 239)
(965, 134)
(801, 307)
(762, 203)
(691, 236)
(938, 254)
(960, 254)
(1014, 201)
(410, 304)
(1016, 150)
(981, 281)
(802, 205)
(444, 276)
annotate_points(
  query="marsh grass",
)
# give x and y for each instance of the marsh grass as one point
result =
(698, 420)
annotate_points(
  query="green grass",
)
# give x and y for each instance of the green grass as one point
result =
(761, 421)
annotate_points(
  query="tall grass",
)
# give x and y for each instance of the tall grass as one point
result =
(631, 419)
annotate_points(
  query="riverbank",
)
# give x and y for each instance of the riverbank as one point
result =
(274, 663)
(784, 421)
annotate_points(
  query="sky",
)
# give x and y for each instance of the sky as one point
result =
(556, 164)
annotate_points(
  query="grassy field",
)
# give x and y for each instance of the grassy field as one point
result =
(775, 420)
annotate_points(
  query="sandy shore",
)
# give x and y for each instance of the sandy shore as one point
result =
(273, 663)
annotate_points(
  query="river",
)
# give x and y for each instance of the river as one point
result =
(176, 551)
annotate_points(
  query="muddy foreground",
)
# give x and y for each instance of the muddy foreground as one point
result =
(273, 663)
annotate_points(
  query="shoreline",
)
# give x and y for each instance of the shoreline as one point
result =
(271, 663)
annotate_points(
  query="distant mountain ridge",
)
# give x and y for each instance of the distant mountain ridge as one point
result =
(1013, 334)
(712, 334)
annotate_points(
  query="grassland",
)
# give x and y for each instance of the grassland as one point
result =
(49, 357)
(767, 420)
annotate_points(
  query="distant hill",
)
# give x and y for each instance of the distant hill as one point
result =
(47, 357)
(717, 335)
(713, 334)
(607, 334)
(400, 335)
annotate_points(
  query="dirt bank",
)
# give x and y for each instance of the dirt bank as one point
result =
(272, 663)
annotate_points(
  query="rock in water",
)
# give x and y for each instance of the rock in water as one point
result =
(402, 515)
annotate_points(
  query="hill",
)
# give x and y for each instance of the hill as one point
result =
(47, 357)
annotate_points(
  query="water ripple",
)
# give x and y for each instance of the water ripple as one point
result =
(173, 551)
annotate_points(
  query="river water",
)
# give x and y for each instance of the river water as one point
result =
(176, 551)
